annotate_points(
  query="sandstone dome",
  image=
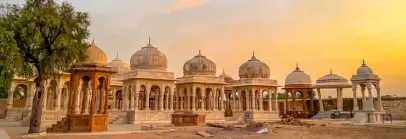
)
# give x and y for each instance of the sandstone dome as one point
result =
(149, 57)
(95, 55)
(254, 68)
(119, 66)
(199, 65)
(227, 78)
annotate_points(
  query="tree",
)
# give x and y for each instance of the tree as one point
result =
(44, 38)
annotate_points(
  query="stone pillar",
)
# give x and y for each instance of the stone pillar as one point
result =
(167, 94)
(125, 97)
(102, 100)
(147, 90)
(214, 99)
(45, 101)
(364, 101)
(131, 95)
(293, 99)
(58, 98)
(181, 95)
(253, 108)
(370, 98)
(113, 104)
(136, 97)
(172, 92)
(10, 97)
(161, 98)
(339, 103)
(76, 100)
(354, 95)
(311, 102)
(203, 100)
(240, 102)
(193, 91)
(30, 96)
(269, 100)
(261, 101)
(221, 99)
(378, 95)
(286, 104)
(276, 100)
(320, 100)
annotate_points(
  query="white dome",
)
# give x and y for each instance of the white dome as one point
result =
(364, 69)
(149, 57)
(199, 65)
(332, 81)
(254, 68)
(298, 77)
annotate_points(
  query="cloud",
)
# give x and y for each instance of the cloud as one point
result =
(180, 5)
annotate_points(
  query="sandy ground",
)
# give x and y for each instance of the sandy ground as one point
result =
(329, 131)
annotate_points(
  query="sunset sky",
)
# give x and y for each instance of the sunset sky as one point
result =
(318, 34)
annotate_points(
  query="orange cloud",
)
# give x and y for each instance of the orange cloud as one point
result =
(180, 5)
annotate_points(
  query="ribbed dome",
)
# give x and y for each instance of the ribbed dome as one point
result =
(149, 57)
(254, 68)
(95, 55)
(364, 69)
(298, 77)
(119, 66)
(331, 78)
(199, 65)
(227, 78)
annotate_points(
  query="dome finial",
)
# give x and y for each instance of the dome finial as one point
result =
(363, 62)
(297, 65)
(200, 53)
(93, 42)
(149, 39)
(253, 56)
(331, 71)
(223, 71)
(253, 52)
(117, 55)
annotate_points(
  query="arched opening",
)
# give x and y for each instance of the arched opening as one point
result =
(142, 97)
(52, 95)
(244, 100)
(219, 99)
(199, 99)
(100, 95)
(64, 95)
(20, 96)
(119, 99)
(153, 97)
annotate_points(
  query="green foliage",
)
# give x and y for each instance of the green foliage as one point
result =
(40, 39)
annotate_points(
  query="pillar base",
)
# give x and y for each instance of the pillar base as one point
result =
(367, 116)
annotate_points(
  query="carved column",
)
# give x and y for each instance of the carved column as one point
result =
(203, 100)
(136, 97)
(364, 100)
(311, 101)
(287, 101)
(167, 94)
(193, 91)
(276, 100)
(320, 100)
(221, 98)
(214, 99)
(10, 97)
(370, 98)
(44, 102)
(338, 100)
(172, 92)
(85, 100)
(30, 97)
(269, 100)
(76, 101)
(114, 101)
(354, 95)
(294, 99)
(240, 102)
(147, 90)
(58, 98)
(131, 94)
(125, 97)
(378, 95)
(253, 108)
(161, 98)
(181, 95)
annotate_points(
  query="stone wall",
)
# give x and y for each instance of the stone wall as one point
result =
(395, 106)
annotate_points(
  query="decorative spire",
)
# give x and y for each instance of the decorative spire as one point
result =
(149, 39)
(93, 42)
(363, 62)
(253, 56)
(200, 53)
(331, 71)
(224, 71)
(117, 55)
(297, 66)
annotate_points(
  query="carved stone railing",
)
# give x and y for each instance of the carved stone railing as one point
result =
(138, 117)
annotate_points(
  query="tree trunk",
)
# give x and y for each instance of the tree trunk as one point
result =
(36, 111)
